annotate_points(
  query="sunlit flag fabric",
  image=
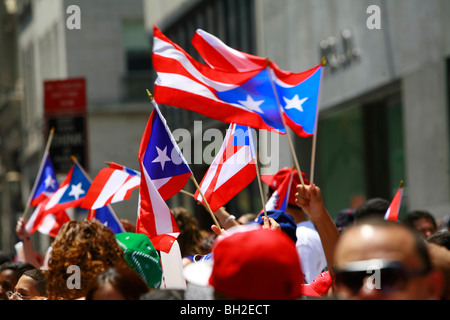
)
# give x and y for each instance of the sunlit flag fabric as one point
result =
(280, 198)
(46, 222)
(46, 183)
(232, 169)
(112, 184)
(393, 211)
(71, 192)
(297, 92)
(245, 98)
(163, 169)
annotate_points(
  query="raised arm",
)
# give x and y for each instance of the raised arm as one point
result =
(309, 198)
(28, 250)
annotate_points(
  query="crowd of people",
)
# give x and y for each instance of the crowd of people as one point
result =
(298, 253)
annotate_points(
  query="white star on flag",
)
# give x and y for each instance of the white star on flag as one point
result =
(76, 191)
(294, 103)
(162, 157)
(252, 104)
(49, 181)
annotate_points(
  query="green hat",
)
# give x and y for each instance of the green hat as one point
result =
(142, 256)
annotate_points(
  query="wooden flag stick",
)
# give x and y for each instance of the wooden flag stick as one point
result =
(253, 149)
(323, 62)
(46, 151)
(291, 145)
(206, 202)
(187, 193)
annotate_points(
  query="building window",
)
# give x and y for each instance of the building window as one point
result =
(360, 152)
(233, 22)
(138, 63)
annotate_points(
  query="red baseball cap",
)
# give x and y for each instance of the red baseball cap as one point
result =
(319, 286)
(274, 181)
(259, 264)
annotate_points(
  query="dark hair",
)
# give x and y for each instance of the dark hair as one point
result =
(40, 278)
(375, 207)
(18, 268)
(415, 215)
(124, 279)
(441, 238)
(190, 235)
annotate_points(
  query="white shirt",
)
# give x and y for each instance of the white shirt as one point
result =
(310, 250)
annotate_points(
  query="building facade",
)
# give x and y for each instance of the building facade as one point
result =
(384, 103)
(384, 110)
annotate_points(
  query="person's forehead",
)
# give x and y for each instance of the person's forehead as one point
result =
(7, 275)
(25, 282)
(375, 242)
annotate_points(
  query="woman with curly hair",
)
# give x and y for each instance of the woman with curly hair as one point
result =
(190, 234)
(91, 247)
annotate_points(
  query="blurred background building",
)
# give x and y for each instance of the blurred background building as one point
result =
(384, 105)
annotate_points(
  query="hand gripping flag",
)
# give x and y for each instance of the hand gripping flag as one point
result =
(393, 211)
(46, 183)
(297, 92)
(112, 184)
(232, 169)
(164, 172)
(245, 98)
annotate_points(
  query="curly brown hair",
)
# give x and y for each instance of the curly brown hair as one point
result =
(190, 235)
(87, 244)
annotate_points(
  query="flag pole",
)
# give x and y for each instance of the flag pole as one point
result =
(192, 175)
(323, 62)
(46, 151)
(291, 145)
(253, 148)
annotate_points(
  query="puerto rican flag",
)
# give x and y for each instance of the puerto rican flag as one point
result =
(297, 92)
(233, 168)
(245, 98)
(393, 211)
(112, 184)
(46, 222)
(164, 172)
(280, 198)
(46, 183)
(71, 194)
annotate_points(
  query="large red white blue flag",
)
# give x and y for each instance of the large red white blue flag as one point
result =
(46, 183)
(297, 92)
(393, 211)
(112, 184)
(233, 168)
(245, 98)
(164, 172)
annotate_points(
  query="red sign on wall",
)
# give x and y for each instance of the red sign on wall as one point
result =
(65, 111)
(65, 96)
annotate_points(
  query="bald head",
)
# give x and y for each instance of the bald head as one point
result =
(384, 241)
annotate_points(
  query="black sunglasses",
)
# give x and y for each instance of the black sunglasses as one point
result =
(385, 275)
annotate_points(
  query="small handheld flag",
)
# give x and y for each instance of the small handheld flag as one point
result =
(232, 169)
(393, 211)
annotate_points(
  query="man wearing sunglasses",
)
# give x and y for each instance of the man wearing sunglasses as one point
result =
(379, 259)
(376, 258)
